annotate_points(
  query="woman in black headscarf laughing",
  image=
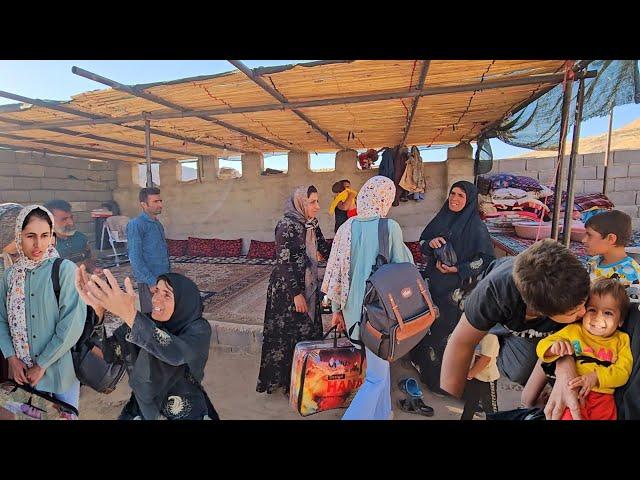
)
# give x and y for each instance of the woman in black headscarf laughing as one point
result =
(165, 353)
(458, 248)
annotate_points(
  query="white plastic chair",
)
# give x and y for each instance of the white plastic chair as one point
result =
(116, 229)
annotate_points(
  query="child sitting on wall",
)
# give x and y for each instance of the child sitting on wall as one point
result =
(344, 203)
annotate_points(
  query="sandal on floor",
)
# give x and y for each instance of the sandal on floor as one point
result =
(411, 387)
(415, 405)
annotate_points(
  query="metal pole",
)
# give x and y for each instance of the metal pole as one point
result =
(147, 150)
(607, 153)
(564, 124)
(568, 210)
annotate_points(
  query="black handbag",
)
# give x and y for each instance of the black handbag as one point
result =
(88, 354)
(446, 254)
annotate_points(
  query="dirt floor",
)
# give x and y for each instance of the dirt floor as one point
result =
(230, 380)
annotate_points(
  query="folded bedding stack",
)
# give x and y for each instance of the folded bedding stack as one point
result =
(507, 198)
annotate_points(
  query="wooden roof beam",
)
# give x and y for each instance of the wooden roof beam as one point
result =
(99, 138)
(414, 107)
(136, 92)
(553, 79)
(282, 99)
(103, 119)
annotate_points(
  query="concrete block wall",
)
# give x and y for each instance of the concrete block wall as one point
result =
(623, 177)
(249, 207)
(29, 178)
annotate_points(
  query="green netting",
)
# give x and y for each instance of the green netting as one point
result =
(537, 126)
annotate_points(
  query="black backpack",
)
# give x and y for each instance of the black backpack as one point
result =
(88, 353)
(397, 311)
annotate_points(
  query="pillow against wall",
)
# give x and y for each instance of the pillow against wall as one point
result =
(259, 249)
(177, 248)
(200, 247)
(227, 248)
(214, 247)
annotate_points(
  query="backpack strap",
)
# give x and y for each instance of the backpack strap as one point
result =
(383, 242)
(55, 277)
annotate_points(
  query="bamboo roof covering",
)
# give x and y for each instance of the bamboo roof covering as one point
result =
(307, 107)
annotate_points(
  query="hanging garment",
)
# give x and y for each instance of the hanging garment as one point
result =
(386, 163)
(413, 179)
(399, 166)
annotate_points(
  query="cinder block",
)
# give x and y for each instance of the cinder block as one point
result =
(76, 196)
(82, 217)
(591, 186)
(41, 195)
(618, 171)
(104, 196)
(513, 165)
(536, 164)
(79, 206)
(14, 196)
(627, 184)
(631, 210)
(27, 183)
(67, 184)
(586, 173)
(579, 186)
(31, 170)
(545, 177)
(7, 156)
(622, 198)
(66, 162)
(6, 183)
(593, 159)
(8, 169)
(626, 156)
(56, 172)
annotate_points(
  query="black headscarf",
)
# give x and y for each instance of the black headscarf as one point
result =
(188, 304)
(464, 229)
(152, 378)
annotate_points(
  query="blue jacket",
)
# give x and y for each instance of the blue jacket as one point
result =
(148, 249)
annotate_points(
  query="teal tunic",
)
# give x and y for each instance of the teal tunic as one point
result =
(52, 329)
(364, 250)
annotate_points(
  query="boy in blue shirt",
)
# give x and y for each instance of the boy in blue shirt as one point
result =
(607, 234)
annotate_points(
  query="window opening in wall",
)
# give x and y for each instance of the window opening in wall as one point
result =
(142, 174)
(190, 170)
(433, 154)
(322, 162)
(230, 168)
(276, 163)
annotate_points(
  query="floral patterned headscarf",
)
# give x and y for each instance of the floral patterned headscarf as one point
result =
(15, 295)
(374, 200)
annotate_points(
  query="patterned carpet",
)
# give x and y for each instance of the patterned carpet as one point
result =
(233, 289)
(218, 282)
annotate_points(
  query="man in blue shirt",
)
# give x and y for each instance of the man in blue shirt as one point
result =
(148, 249)
(70, 243)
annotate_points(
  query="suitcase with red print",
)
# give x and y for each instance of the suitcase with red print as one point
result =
(325, 374)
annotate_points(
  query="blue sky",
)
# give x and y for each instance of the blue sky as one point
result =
(52, 79)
